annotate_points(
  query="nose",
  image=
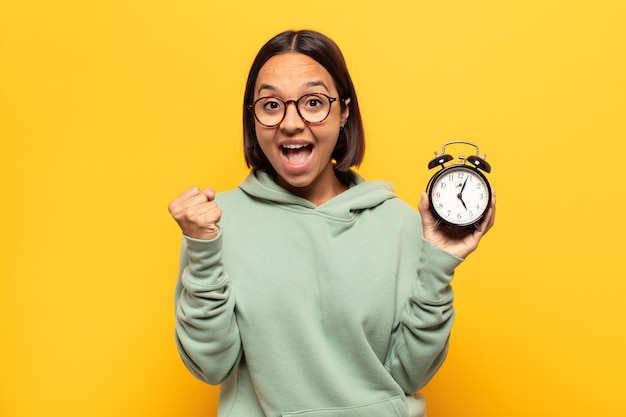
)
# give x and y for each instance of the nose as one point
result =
(292, 120)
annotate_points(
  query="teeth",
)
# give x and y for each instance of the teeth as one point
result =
(294, 146)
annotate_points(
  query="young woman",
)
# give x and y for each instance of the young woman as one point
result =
(309, 291)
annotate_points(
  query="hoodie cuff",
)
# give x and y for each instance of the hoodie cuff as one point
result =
(204, 265)
(435, 272)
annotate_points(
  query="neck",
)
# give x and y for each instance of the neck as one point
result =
(325, 187)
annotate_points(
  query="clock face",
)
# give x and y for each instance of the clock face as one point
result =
(459, 195)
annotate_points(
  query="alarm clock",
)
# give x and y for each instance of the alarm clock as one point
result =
(459, 194)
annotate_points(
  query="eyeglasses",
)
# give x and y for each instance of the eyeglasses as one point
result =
(313, 108)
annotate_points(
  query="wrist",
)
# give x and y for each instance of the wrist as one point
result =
(205, 234)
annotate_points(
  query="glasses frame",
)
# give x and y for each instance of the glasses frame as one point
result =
(251, 107)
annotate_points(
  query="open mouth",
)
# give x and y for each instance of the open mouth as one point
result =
(296, 154)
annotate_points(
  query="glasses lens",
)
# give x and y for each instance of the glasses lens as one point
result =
(269, 110)
(314, 108)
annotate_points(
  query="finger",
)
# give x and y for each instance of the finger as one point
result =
(423, 201)
(189, 198)
(195, 200)
(489, 219)
(206, 213)
(184, 196)
(197, 196)
(492, 211)
(209, 193)
(188, 193)
(424, 206)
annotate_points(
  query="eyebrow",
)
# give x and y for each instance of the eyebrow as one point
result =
(316, 83)
(307, 84)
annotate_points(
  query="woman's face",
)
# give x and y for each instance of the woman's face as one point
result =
(300, 153)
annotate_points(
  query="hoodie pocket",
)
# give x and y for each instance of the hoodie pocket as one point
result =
(393, 407)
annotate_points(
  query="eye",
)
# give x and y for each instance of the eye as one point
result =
(314, 102)
(269, 104)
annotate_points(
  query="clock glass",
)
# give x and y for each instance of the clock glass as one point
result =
(460, 195)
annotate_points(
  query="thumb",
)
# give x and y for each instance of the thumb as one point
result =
(424, 205)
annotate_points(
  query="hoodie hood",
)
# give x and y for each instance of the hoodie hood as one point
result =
(361, 195)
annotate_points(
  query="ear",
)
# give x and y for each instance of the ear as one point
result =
(345, 112)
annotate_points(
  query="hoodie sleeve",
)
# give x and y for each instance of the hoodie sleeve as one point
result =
(206, 330)
(419, 343)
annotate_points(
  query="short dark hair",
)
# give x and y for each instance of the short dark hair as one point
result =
(350, 146)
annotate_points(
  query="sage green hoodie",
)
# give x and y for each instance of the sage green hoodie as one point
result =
(337, 310)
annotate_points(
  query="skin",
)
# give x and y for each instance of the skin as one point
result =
(459, 242)
(289, 76)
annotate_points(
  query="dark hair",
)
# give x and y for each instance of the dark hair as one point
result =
(351, 142)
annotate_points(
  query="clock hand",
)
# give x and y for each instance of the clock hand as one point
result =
(462, 202)
(460, 194)
(462, 188)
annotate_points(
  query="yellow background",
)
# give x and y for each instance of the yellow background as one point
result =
(110, 108)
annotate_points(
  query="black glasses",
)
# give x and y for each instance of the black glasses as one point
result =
(313, 108)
